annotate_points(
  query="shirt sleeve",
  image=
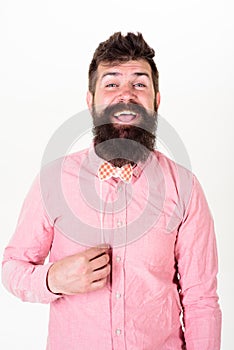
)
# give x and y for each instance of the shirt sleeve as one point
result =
(196, 256)
(24, 273)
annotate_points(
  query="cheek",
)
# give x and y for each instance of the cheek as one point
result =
(149, 102)
(101, 99)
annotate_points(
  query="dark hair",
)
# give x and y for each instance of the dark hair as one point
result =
(119, 48)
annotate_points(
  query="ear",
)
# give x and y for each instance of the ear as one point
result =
(89, 100)
(158, 99)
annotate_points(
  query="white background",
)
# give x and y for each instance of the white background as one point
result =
(46, 47)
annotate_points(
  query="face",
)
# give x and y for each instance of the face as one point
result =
(123, 106)
(129, 82)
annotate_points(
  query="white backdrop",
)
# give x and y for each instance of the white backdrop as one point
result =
(46, 47)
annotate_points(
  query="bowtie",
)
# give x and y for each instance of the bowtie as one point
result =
(107, 170)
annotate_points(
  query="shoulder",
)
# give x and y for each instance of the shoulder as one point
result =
(178, 181)
(66, 166)
(171, 168)
(68, 162)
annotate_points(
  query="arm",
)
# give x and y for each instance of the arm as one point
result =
(196, 256)
(23, 271)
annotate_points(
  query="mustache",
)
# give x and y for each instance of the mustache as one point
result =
(148, 118)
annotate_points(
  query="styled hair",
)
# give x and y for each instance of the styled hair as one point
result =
(118, 49)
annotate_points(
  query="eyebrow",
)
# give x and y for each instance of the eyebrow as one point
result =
(115, 74)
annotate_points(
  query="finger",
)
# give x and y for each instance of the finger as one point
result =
(100, 274)
(98, 284)
(94, 252)
(99, 262)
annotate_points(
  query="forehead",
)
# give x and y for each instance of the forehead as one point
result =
(125, 68)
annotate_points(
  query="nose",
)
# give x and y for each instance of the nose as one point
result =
(127, 94)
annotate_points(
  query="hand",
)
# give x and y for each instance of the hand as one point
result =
(80, 273)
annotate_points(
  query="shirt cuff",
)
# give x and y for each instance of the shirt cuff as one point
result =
(41, 290)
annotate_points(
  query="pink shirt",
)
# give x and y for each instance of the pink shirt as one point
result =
(164, 258)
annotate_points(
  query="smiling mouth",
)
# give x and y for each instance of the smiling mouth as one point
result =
(125, 116)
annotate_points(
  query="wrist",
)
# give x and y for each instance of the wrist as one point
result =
(49, 283)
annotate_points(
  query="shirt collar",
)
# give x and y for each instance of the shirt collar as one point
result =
(95, 161)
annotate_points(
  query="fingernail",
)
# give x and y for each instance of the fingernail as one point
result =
(105, 245)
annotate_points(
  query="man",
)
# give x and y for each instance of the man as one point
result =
(133, 259)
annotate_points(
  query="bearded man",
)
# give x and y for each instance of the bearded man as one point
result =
(130, 238)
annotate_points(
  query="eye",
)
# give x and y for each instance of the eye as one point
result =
(111, 85)
(140, 85)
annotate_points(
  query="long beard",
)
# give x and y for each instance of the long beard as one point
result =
(121, 144)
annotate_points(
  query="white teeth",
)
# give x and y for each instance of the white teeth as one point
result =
(124, 112)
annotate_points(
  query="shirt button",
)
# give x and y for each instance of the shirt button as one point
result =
(118, 258)
(119, 223)
(118, 331)
(119, 188)
(118, 295)
(136, 173)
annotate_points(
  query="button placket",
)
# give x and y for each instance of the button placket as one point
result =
(118, 282)
(118, 299)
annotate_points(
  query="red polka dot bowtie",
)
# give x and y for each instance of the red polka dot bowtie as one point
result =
(107, 170)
